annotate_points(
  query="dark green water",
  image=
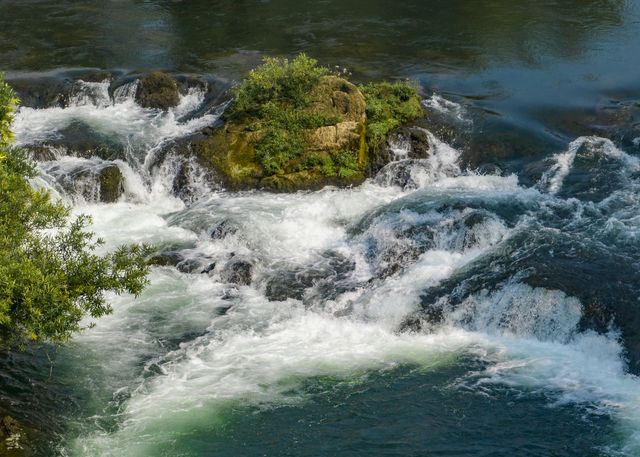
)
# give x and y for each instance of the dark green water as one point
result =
(200, 368)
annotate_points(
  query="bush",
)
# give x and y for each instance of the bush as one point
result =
(274, 97)
(8, 102)
(389, 105)
(50, 278)
(280, 81)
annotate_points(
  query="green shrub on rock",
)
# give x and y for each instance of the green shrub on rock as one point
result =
(389, 105)
(295, 125)
(280, 81)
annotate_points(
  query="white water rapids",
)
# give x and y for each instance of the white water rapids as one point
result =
(193, 343)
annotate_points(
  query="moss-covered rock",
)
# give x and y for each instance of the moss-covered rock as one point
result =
(111, 185)
(294, 126)
(157, 90)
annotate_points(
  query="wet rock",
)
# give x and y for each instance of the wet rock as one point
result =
(189, 265)
(400, 173)
(157, 90)
(184, 83)
(165, 259)
(181, 184)
(238, 272)
(80, 140)
(403, 143)
(325, 279)
(289, 284)
(42, 153)
(209, 268)
(223, 229)
(111, 184)
(42, 92)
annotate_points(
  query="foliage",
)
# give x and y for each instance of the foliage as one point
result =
(50, 276)
(8, 102)
(389, 105)
(343, 164)
(278, 147)
(279, 81)
(274, 96)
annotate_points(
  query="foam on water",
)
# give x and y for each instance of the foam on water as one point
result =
(194, 345)
(259, 352)
(552, 179)
(120, 120)
(448, 108)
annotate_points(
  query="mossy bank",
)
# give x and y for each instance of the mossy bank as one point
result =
(294, 125)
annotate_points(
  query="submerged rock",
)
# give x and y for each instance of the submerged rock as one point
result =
(402, 143)
(47, 92)
(15, 438)
(157, 90)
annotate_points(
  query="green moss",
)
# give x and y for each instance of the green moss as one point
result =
(157, 90)
(389, 105)
(110, 184)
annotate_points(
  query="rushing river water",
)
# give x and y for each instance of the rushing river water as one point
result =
(448, 306)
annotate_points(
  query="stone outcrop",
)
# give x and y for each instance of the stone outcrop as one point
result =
(111, 184)
(157, 90)
(231, 149)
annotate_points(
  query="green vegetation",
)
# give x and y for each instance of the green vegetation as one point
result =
(295, 125)
(389, 105)
(276, 97)
(50, 277)
(279, 81)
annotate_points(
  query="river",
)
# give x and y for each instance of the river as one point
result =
(520, 226)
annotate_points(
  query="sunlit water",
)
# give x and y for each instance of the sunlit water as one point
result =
(447, 306)
(314, 356)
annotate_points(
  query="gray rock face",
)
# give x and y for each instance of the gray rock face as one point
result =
(238, 272)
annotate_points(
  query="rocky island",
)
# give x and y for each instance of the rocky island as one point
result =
(294, 125)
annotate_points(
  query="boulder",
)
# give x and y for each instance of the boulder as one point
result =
(49, 92)
(238, 272)
(294, 126)
(231, 149)
(157, 90)
(337, 96)
(111, 184)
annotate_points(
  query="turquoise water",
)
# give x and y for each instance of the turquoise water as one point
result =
(480, 302)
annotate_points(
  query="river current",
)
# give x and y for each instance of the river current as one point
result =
(447, 306)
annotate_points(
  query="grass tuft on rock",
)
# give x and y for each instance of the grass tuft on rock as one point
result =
(389, 105)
